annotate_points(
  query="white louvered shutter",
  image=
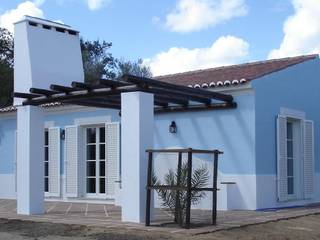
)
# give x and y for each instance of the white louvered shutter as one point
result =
(112, 156)
(282, 158)
(308, 160)
(71, 157)
(54, 161)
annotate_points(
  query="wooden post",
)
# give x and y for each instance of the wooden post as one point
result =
(189, 178)
(177, 207)
(214, 192)
(149, 184)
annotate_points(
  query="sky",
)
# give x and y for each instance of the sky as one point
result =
(182, 35)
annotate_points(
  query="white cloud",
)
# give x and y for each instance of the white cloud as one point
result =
(301, 30)
(97, 4)
(224, 51)
(196, 15)
(26, 8)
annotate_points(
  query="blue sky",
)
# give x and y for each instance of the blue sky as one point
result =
(179, 35)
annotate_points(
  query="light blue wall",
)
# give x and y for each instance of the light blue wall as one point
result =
(297, 87)
(231, 131)
(7, 144)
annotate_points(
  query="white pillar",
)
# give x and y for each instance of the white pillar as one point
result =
(30, 160)
(137, 120)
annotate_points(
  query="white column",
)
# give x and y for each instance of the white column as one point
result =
(137, 120)
(30, 160)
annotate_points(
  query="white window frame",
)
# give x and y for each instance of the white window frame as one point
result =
(96, 195)
(297, 118)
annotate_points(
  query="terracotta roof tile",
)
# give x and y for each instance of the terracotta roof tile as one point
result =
(241, 73)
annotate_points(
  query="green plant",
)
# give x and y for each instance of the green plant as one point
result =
(176, 200)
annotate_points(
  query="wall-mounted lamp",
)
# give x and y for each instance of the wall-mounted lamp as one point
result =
(173, 127)
(63, 134)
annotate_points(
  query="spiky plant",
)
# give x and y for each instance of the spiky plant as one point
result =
(176, 200)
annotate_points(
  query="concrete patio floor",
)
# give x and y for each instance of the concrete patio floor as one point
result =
(109, 216)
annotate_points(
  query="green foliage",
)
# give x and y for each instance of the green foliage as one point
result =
(6, 67)
(176, 201)
(136, 68)
(97, 61)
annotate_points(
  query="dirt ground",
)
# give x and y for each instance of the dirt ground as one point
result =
(299, 228)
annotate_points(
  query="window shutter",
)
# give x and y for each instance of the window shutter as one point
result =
(54, 161)
(72, 164)
(112, 156)
(282, 158)
(308, 160)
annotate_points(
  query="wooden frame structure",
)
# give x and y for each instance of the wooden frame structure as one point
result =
(107, 94)
(178, 187)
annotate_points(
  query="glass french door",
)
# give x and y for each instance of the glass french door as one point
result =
(95, 161)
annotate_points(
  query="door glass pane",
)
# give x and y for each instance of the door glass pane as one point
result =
(91, 152)
(290, 167)
(46, 184)
(290, 185)
(102, 151)
(91, 135)
(102, 185)
(46, 138)
(91, 169)
(46, 153)
(102, 168)
(102, 134)
(91, 185)
(289, 149)
(46, 169)
(289, 130)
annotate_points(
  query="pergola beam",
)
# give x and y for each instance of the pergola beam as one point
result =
(106, 94)
(165, 85)
(81, 95)
(43, 91)
(62, 89)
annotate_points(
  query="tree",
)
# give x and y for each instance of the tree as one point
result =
(170, 198)
(136, 68)
(97, 61)
(6, 67)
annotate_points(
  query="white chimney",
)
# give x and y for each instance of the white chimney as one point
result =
(45, 53)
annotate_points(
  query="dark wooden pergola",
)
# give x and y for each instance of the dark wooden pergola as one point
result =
(107, 94)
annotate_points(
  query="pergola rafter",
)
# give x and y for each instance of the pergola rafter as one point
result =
(106, 94)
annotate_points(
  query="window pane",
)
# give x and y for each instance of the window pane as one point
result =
(102, 134)
(102, 185)
(289, 130)
(289, 149)
(46, 169)
(46, 154)
(46, 184)
(290, 185)
(46, 138)
(91, 185)
(102, 151)
(91, 152)
(91, 169)
(102, 168)
(290, 167)
(91, 135)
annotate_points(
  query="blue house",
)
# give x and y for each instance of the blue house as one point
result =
(270, 139)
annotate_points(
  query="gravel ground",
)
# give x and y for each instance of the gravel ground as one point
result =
(299, 228)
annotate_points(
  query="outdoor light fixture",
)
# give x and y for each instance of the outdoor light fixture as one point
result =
(63, 134)
(173, 127)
